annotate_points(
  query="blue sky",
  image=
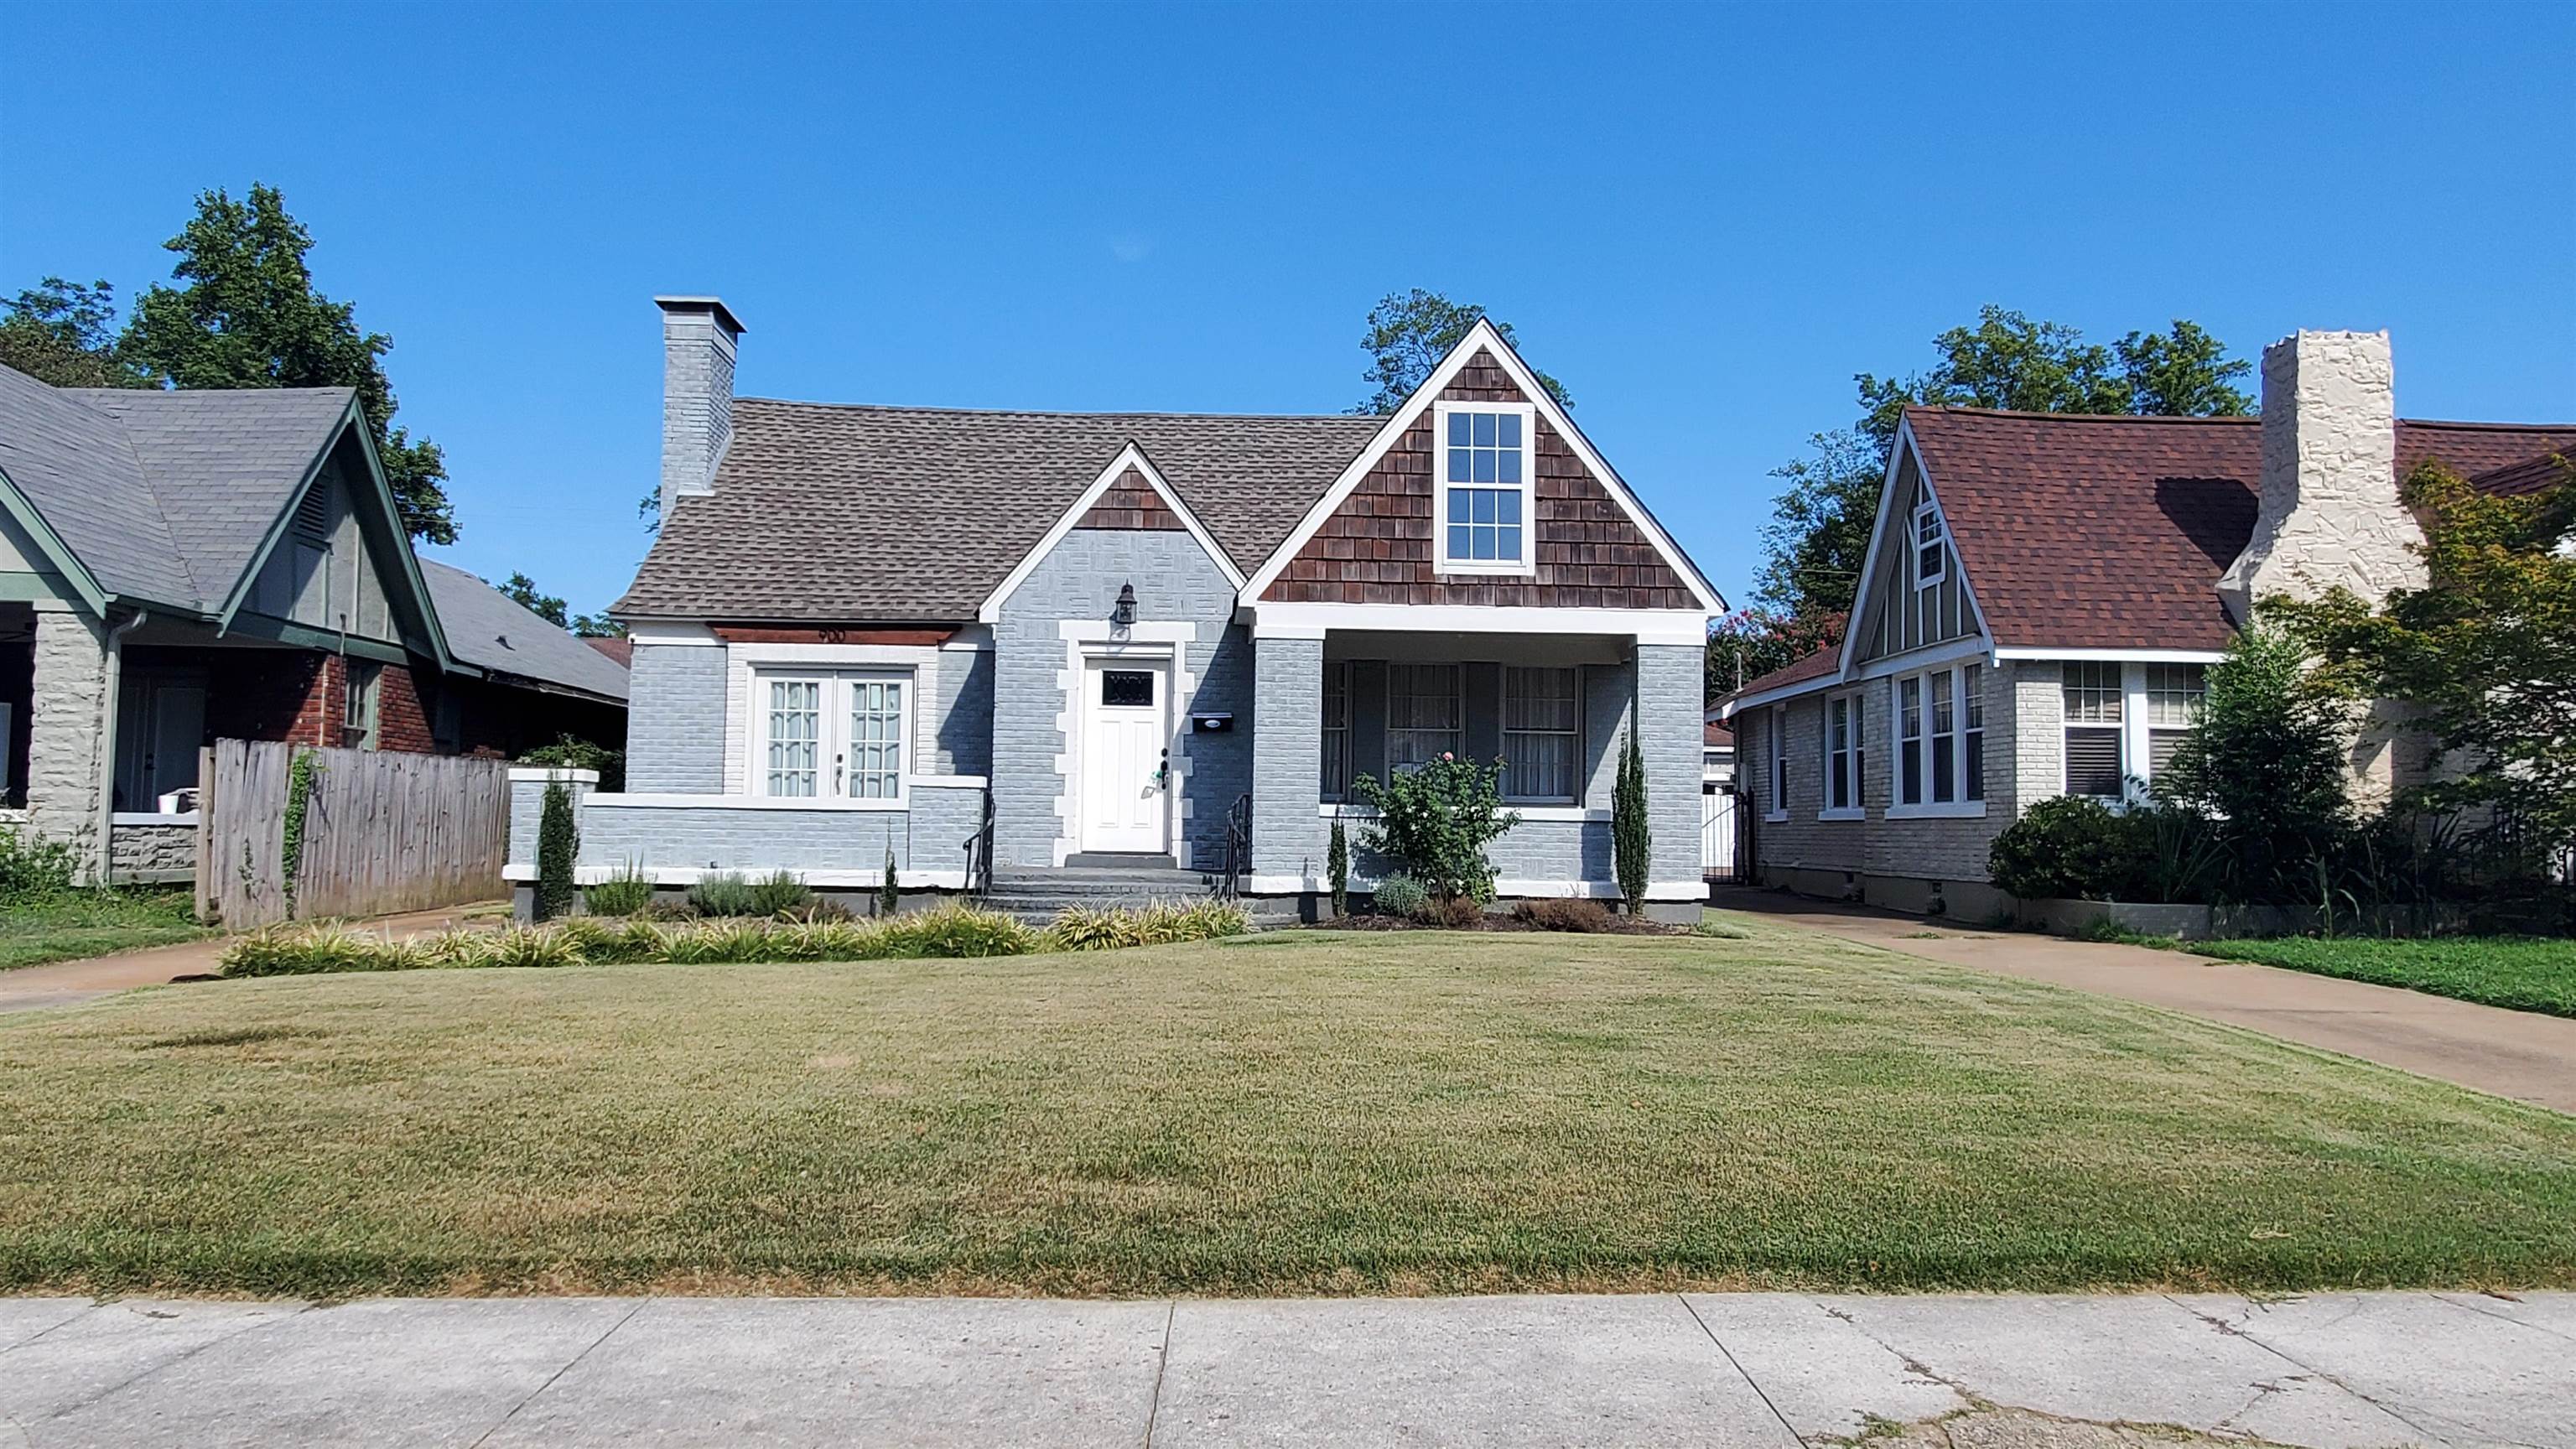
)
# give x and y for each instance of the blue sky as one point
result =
(1703, 219)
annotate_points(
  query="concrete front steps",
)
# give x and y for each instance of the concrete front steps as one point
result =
(1035, 894)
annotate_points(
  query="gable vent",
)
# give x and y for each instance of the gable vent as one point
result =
(313, 516)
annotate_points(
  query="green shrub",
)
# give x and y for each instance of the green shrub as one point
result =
(1337, 866)
(1457, 913)
(1632, 845)
(1435, 820)
(778, 893)
(32, 867)
(725, 893)
(558, 843)
(574, 753)
(889, 894)
(1573, 914)
(626, 893)
(527, 947)
(2070, 847)
(2266, 765)
(1399, 895)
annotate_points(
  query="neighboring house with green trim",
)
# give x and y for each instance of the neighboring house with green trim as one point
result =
(181, 566)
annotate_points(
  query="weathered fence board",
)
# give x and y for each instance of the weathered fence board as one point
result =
(382, 833)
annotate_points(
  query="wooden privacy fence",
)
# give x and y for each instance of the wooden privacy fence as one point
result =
(382, 832)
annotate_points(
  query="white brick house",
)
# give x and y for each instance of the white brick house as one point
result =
(1030, 643)
(2043, 594)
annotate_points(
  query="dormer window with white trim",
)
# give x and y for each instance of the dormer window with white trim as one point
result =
(1931, 552)
(1484, 503)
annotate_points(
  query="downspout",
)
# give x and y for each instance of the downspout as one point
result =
(107, 713)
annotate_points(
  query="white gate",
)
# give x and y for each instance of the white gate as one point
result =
(1717, 831)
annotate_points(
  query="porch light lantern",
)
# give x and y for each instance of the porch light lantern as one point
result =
(1123, 613)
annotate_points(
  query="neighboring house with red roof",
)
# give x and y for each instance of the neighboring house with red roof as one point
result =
(2044, 592)
(1138, 650)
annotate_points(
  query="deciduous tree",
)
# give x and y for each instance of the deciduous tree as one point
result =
(64, 333)
(1409, 332)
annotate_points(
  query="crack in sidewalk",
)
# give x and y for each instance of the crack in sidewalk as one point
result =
(1794, 1436)
(531, 1397)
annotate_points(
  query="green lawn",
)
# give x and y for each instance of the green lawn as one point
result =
(74, 924)
(1291, 1113)
(2526, 974)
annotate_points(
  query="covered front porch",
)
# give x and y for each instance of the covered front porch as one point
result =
(1552, 706)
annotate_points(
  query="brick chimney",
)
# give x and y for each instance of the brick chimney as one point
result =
(2329, 512)
(698, 339)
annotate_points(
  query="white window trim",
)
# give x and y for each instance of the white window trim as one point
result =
(1852, 715)
(1959, 807)
(834, 718)
(1931, 510)
(1526, 565)
(2132, 728)
(1777, 806)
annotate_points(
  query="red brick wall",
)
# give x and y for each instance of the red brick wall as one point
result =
(402, 715)
(1377, 547)
(271, 694)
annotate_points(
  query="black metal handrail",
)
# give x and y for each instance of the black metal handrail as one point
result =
(979, 851)
(1238, 848)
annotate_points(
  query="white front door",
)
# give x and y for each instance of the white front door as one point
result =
(1126, 746)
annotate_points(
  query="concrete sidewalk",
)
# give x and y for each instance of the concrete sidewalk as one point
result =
(1755, 1369)
(2520, 1054)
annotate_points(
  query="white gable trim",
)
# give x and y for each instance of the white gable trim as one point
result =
(1131, 456)
(1482, 336)
(1878, 539)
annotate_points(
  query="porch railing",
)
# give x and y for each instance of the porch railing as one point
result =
(979, 851)
(1238, 848)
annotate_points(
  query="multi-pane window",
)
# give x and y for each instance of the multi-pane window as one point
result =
(1909, 741)
(2093, 699)
(1842, 753)
(876, 740)
(1485, 500)
(1779, 736)
(1945, 740)
(1927, 546)
(363, 689)
(833, 736)
(1336, 781)
(1972, 700)
(795, 736)
(1421, 713)
(2173, 709)
(1542, 734)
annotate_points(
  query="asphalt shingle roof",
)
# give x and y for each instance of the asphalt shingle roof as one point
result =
(490, 630)
(2110, 532)
(860, 513)
(162, 495)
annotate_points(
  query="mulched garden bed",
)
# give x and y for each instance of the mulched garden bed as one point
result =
(1495, 921)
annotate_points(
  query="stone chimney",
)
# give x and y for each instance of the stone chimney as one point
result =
(2329, 512)
(698, 339)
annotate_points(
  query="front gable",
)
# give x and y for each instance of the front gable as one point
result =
(1373, 538)
(1914, 590)
(1130, 495)
(338, 559)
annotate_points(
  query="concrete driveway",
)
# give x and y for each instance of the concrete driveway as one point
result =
(1772, 1370)
(2519, 1054)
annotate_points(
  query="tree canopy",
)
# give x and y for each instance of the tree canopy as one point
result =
(1409, 332)
(246, 314)
(1818, 537)
(64, 333)
(2487, 649)
(523, 591)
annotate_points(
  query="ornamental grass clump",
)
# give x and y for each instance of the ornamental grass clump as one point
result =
(725, 893)
(1080, 928)
(778, 893)
(625, 893)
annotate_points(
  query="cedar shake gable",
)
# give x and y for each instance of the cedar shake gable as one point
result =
(1378, 545)
(1131, 502)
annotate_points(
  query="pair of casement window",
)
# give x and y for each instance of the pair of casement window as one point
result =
(833, 736)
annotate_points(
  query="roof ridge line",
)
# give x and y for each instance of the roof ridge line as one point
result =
(1355, 418)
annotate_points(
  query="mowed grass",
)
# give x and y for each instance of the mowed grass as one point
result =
(74, 924)
(1294, 1113)
(2523, 973)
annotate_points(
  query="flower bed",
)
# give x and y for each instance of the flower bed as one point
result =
(951, 931)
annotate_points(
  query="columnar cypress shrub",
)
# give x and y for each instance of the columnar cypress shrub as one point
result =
(889, 896)
(1337, 864)
(558, 841)
(1631, 843)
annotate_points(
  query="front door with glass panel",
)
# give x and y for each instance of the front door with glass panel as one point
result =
(1126, 756)
(832, 736)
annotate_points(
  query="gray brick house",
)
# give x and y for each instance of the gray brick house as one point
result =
(2043, 594)
(1053, 641)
